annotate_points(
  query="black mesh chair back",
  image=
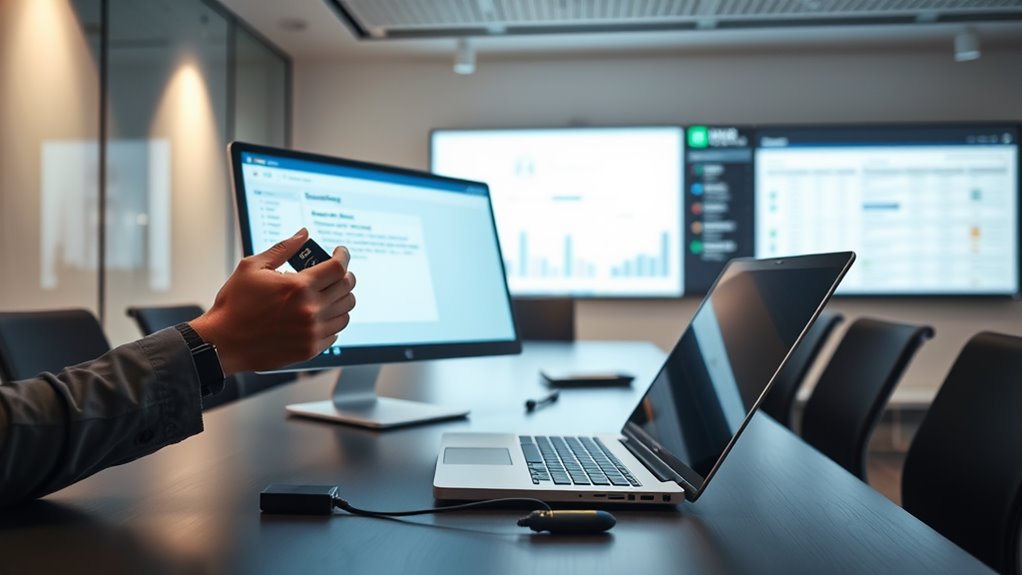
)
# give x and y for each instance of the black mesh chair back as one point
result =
(37, 341)
(853, 389)
(152, 319)
(779, 402)
(963, 471)
(545, 319)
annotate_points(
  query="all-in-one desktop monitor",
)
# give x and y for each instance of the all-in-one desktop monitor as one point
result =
(424, 249)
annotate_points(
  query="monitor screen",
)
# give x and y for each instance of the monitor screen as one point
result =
(737, 341)
(930, 210)
(423, 247)
(581, 212)
(718, 201)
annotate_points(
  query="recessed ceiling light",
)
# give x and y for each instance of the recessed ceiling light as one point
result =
(967, 46)
(464, 57)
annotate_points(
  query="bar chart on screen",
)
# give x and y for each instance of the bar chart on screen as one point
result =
(586, 212)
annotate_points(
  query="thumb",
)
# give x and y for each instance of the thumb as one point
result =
(277, 255)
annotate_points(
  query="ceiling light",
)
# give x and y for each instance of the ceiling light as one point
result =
(967, 46)
(465, 57)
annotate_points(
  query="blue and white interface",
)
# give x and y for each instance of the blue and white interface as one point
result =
(423, 249)
(583, 212)
(931, 210)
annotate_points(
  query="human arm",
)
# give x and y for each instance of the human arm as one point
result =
(56, 429)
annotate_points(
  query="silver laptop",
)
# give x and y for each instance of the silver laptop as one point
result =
(691, 415)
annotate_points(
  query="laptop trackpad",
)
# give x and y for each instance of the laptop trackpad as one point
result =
(477, 456)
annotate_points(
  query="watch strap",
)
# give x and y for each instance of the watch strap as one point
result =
(205, 359)
(191, 336)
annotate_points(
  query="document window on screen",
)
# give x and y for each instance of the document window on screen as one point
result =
(411, 242)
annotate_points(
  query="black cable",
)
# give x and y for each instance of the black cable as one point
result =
(344, 505)
(323, 500)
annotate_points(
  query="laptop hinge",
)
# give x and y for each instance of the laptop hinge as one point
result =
(652, 462)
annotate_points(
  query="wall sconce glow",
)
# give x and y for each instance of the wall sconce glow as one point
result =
(465, 57)
(193, 101)
(197, 200)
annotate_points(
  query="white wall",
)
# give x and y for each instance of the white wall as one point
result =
(383, 110)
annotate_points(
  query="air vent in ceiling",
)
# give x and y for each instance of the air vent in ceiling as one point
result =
(382, 19)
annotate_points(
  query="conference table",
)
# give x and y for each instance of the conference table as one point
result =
(776, 506)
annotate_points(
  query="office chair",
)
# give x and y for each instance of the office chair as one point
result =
(545, 319)
(853, 389)
(963, 473)
(36, 341)
(779, 402)
(154, 318)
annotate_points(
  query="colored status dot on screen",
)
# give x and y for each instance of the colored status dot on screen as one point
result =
(697, 189)
(697, 228)
(697, 208)
(696, 247)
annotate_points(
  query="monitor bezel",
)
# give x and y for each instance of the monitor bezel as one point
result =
(684, 472)
(680, 294)
(375, 354)
(758, 129)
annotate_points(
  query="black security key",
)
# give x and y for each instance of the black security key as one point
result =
(309, 255)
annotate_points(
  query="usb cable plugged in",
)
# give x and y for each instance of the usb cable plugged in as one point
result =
(324, 499)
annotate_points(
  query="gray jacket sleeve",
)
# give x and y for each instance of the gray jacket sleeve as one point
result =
(56, 429)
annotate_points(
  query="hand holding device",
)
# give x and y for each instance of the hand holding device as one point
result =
(262, 319)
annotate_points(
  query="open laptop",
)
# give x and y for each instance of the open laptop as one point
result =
(690, 417)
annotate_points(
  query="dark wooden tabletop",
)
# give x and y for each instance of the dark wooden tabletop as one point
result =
(776, 506)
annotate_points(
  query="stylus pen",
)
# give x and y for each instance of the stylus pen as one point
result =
(531, 404)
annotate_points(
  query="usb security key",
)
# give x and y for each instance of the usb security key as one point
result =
(308, 255)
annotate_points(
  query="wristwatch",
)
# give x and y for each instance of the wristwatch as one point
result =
(206, 359)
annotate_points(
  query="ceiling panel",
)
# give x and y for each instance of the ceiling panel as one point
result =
(382, 19)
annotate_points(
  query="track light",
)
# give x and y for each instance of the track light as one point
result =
(967, 46)
(465, 57)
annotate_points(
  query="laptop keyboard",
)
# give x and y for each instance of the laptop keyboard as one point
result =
(573, 460)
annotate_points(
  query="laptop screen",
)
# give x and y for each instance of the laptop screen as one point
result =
(739, 338)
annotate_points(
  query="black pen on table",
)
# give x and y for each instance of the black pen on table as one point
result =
(532, 404)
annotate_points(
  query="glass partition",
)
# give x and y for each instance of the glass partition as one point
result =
(49, 154)
(182, 78)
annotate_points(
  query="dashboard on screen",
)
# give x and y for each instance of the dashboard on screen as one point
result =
(718, 201)
(930, 210)
(580, 212)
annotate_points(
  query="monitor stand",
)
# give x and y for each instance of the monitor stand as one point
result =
(355, 402)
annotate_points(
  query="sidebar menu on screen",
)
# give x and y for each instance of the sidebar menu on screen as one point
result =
(718, 201)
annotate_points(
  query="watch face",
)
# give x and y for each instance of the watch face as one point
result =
(207, 365)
